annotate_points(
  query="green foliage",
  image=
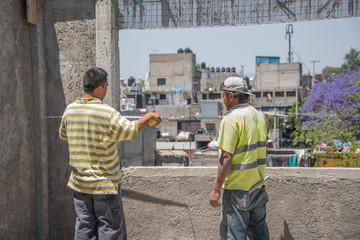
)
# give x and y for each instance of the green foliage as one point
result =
(328, 72)
(352, 60)
(293, 121)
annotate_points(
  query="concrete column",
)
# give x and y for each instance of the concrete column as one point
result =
(42, 165)
(107, 50)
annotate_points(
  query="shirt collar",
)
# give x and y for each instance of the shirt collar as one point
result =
(88, 100)
(239, 106)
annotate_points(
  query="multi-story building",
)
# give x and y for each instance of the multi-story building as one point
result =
(176, 79)
(212, 78)
(174, 76)
(278, 85)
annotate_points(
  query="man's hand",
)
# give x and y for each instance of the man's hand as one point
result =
(156, 117)
(151, 116)
(214, 199)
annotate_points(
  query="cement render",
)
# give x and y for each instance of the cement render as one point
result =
(18, 104)
(304, 203)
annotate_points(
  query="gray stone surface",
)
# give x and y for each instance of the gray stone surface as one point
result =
(304, 203)
(17, 129)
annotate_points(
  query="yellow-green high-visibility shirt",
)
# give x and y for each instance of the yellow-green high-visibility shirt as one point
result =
(91, 129)
(243, 132)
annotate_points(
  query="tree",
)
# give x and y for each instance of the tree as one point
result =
(332, 110)
(352, 60)
(293, 123)
(329, 72)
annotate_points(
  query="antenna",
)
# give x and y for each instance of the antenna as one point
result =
(289, 31)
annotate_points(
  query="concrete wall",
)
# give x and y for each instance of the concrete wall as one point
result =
(277, 76)
(141, 152)
(18, 106)
(178, 70)
(41, 72)
(304, 203)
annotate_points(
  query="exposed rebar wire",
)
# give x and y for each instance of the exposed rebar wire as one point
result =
(140, 14)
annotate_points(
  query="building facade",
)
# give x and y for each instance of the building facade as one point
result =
(278, 85)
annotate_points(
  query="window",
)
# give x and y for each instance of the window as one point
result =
(291, 94)
(210, 127)
(266, 94)
(257, 94)
(162, 96)
(161, 81)
(183, 126)
(279, 94)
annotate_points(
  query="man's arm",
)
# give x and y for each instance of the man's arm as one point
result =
(142, 122)
(224, 167)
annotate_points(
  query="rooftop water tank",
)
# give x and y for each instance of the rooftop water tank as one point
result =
(131, 81)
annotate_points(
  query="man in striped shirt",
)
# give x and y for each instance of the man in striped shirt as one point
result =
(91, 129)
(242, 144)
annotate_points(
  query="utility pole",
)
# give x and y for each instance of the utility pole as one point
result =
(313, 62)
(289, 32)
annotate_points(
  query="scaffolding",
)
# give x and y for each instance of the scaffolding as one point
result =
(142, 14)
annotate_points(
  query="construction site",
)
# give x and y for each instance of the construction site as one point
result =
(46, 48)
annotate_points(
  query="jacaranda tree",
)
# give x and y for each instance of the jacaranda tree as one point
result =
(332, 110)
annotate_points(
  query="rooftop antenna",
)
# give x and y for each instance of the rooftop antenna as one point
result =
(289, 32)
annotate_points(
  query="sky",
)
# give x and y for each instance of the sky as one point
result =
(326, 41)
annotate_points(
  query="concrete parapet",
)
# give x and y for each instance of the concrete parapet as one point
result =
(304, 203)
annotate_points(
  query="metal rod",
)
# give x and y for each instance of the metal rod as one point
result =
(258, 184)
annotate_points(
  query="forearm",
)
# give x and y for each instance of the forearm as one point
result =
(224, 167)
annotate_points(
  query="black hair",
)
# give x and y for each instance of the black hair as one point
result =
(93, 78)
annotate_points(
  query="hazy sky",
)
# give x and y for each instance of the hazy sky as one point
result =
(325, 40)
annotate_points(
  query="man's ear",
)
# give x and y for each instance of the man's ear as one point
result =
(231, 94)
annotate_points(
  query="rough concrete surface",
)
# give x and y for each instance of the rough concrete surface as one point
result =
(18, 104)
(304, 203)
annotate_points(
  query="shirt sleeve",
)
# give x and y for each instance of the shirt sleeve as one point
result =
(228, 135)
(62, 130)
(122, 129)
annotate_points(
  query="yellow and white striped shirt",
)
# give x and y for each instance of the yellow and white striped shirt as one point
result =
(91, 129)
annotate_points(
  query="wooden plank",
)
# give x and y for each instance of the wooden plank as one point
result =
(31, 11)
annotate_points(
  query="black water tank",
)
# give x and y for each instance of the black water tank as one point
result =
(212, 69)
(180, 50)
(192, 136)
(131, 81)
(203, 65)
(158, 133)
(222, 69)
(233, 69)
(227, 69)
(217, 69)
(188, 50)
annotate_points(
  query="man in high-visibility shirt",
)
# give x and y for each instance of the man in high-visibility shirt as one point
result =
(242, 148)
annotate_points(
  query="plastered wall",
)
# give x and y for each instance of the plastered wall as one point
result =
(304, 203)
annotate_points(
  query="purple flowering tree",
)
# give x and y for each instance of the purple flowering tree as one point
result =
(332, 110)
